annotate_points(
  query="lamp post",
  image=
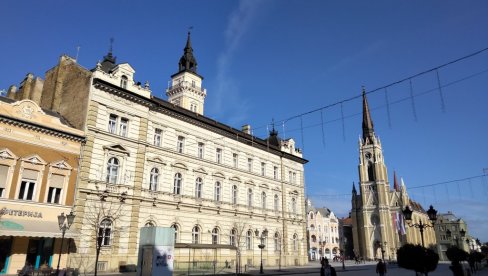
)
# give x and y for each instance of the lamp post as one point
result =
(432, 213)
(261, 246)
(65, 223)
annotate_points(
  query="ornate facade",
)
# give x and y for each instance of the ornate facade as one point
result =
(323, 233)
(151, 162)
(39, 155)
(378, 225)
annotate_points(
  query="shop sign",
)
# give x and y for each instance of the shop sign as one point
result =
(20, 213)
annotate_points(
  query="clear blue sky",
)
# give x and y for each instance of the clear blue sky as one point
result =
(275, 59)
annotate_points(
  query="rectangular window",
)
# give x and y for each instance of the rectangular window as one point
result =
(275, 172)
(157, 137)
(235, 160)
(294, 177)
(27, 190)
(249, 164)
(112, 124)
(56, 184)
(200, 150)
(263, 168)
(290, 176)
(219, 155)
(3, 179)
(124, 123)
(180, 144)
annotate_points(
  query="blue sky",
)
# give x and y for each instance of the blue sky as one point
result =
(265, 60)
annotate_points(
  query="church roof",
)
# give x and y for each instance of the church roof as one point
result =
(417, 206)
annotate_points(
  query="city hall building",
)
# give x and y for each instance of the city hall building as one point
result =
(39, 156)
(154, 162)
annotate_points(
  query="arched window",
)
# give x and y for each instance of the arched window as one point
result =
(276, 202)
(215, 236)
(218, 190)
(234, 194)
(149, 224)
(311, 215)
(312, 227)
(249, 197)
(314, 238)
(294, 205)
(249, 240)
(276, 241)
(295, 242)
(105, 232)
(370, 171)
(154, 179)
(233, 234)
(263, 200)
(123, 82)
(198, 187)
(175, 226)
(319, 228)
(195, 234)
(112, 170)
(177, 184)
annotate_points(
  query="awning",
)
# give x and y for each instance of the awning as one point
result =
(29, 228)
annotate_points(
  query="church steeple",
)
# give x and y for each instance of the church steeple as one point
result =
(188, 62)
(354, 192)
(395, 182)
(109, 60)
(368, 130)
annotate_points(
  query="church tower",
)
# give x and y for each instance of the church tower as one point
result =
(186, 85)
(373, 232)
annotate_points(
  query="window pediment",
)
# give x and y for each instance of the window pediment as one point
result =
(262, 185)
(180, 166)
(7, 154)
(219, 175)
(250, 182)
(61, 164)
(157, 160)
(200, 170)
(34, 159)
(117, 148)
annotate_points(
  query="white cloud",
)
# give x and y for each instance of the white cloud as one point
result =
(227, 94)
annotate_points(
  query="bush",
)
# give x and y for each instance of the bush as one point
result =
(417, 258)
(455, 254)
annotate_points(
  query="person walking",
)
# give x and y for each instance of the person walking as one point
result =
(327, 269)
(381, 268)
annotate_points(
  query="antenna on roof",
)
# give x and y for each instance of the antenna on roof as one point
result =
(77, 53)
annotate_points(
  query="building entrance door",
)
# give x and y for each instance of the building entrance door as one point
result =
(5, 248)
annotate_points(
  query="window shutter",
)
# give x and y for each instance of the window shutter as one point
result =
(29, 174)
(3, 176)
(57, 181)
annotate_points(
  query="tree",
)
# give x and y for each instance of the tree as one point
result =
(455, 254)
(417, 258)
(240, 226)
(102, 212)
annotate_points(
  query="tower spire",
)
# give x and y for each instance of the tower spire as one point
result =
(188, 62)
(354, 192)
(368, 130)
(395, 182)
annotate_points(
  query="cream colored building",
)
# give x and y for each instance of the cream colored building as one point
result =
(151, 162)
(378, 225)
(323, 233)
(39, 155)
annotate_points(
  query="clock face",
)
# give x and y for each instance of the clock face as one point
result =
(368, 155)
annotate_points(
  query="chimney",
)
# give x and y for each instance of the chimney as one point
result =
(246, 129)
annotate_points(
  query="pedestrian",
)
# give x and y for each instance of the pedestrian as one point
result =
(326, 269)
(381, 268)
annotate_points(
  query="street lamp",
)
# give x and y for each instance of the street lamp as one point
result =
(65, 223)
(261, 246)
(432, 213)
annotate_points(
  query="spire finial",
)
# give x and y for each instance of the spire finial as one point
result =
(368, 130)
(110, 50)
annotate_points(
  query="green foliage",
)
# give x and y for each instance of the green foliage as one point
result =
(455, 254)
(417, 258)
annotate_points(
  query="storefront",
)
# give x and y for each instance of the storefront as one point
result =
(30, 234)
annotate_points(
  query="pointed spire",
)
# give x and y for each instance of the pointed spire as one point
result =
(354, 188)
(188, 62)
(368, 131)
(109, 60)
(395, 182)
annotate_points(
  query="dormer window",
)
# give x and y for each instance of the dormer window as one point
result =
(123, 82)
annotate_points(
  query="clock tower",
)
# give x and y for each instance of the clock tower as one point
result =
(186, 85)
(372, 220)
